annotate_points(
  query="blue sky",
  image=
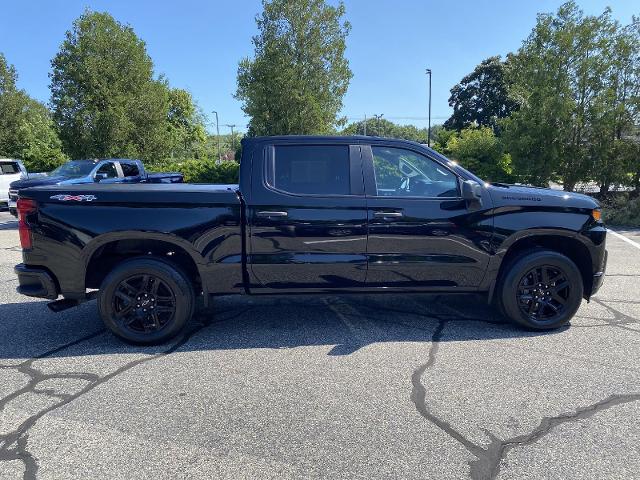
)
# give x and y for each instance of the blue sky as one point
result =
(197, 45)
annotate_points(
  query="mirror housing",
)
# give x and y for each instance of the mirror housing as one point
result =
(98, 177)
(472, 193)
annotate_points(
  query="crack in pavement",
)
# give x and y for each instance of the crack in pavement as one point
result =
(488, 460)
(497, 450)
(619, 320)
(13, 445)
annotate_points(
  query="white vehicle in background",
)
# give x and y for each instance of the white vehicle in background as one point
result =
(10, 171)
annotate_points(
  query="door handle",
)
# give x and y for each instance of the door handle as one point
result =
(271, 214)
(387, 214)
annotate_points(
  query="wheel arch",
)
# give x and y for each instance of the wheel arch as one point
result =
(106, 251)
(566, 243)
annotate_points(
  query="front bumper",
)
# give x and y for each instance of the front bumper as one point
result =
(36, 282)
(598, 277)
(13, 199)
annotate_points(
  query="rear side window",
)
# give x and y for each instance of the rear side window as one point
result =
(129, 169)
(311, 169)
(9, 168)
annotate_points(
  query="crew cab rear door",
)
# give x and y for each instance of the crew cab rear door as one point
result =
(307, 217)
(422, 234)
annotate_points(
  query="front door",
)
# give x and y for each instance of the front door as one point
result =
(421, 234)
(308, 218)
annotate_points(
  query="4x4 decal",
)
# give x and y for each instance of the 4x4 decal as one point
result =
(74, 198)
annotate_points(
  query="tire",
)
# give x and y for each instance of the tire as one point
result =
(146, 300)
(541, 290)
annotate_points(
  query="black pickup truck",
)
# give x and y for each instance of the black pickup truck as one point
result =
(311, 214)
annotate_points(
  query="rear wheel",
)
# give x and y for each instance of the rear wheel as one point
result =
(145, 300)
(541, 290)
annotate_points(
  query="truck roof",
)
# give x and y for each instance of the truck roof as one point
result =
(330, 139)
(96, 160)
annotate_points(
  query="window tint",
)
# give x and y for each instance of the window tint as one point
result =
(110, 169)
(9, 168)
(312, 169)
(401, 172)
(129, 169)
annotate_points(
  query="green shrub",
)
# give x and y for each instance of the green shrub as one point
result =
(479, 150)
(621, 210)
(199, 171)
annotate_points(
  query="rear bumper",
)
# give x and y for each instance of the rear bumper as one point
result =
(35, 282)
(598, 277)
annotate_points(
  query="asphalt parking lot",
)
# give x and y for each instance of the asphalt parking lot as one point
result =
(337, 387)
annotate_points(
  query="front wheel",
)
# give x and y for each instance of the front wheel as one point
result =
(541, 290)
(145, 300)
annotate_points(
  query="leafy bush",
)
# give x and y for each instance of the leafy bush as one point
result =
(620, 210)
(479, 150)
(199, 171)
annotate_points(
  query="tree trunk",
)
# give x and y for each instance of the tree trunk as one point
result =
(636, 184)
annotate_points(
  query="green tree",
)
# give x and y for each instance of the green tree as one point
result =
(299, 74)
(26, 129)
(187, 132)
(614, 142)
(479, 150)
(482, 97)
(106, 101)
(385, 128)
(558, 76)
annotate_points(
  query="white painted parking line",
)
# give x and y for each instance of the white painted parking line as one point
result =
(622, 237)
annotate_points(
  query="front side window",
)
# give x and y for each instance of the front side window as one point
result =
(109, 169)
(404, 173)
(311, 169)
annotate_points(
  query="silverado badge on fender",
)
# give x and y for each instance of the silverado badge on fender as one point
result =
(74, 198)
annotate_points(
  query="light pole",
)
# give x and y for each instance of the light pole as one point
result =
(365, 125)
(218, 135)
(233, 137)
(429, 129)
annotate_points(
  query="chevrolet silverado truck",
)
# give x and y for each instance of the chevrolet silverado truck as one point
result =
(112, 170)
(321, 215)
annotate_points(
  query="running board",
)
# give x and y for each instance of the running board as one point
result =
(64, 304)
(67, 303)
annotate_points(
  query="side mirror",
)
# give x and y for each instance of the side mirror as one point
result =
(99, 177)
(472, 193)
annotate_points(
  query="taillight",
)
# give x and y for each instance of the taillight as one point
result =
(25, 207)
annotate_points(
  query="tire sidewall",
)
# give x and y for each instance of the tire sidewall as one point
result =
(168, 273)
(527, 262)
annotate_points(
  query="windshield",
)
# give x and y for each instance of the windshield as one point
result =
(74, 169)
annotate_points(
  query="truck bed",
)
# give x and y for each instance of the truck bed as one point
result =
(74, 223)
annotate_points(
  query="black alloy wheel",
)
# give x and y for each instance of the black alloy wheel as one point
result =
(144, 303)
(146, 300)
(543, 293)
(540, 289)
